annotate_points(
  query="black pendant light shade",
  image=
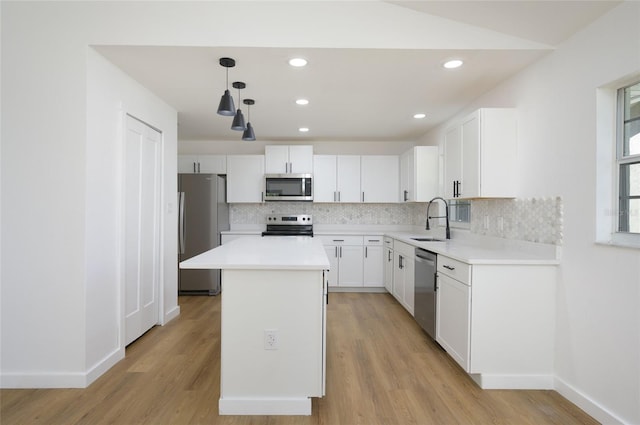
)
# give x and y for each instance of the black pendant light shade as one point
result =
(249, 135)
(238, 120)
(226, 106)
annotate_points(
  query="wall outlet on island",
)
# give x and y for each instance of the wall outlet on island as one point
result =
(271, 339)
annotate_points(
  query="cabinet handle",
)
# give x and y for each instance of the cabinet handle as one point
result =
(340, 252)
(406, 196)
(262, 196)
(362, 196)
(198, 167)
(449, 267)
(374, 240)
(389, 255)
(366, 251)
(194, 168)
(454, 189)
(338, 196)
(336, 252)
(338, 240)
(400, 265)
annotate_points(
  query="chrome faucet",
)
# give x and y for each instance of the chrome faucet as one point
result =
(446, 215)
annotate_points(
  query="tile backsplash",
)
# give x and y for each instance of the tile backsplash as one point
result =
(368, 214)
(531, 219)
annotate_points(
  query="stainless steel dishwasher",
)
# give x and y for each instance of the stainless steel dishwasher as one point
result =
(425, 291)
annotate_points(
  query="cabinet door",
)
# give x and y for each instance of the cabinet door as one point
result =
(301, 159)
(379, 178)
(406, 177)
(373, 266)
(214, 164)
(332, 254)
(187, 164)
(324, 178)
(409, 283)
(452, 160)
(351, 262)
(276, 159)
(245, 178)
(453, 308)
(348, 178)
(471, 157)
(388, 269)
(398, 277)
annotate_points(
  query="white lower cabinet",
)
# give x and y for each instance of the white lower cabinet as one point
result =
(373, 276)
(453, 328)
(388, 264)
(346, 260)
(497, 321)
(403, 274)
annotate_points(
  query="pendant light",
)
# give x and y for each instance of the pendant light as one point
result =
(238, 121)
(248, 134)
(226, 106)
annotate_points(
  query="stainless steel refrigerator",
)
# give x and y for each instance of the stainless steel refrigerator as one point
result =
(203, 214)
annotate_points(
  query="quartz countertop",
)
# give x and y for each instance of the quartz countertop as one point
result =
(263, 253)
(486, 250)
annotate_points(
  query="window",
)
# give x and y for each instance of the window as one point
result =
(460, 213)
(628, 158)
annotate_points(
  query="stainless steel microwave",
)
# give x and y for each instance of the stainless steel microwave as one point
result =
(288, 187)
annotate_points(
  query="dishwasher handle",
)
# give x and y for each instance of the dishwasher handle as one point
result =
(427, 257)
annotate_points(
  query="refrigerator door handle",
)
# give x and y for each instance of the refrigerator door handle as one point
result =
(181, 222)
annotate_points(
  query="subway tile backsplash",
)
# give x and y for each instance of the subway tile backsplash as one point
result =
(532, 219)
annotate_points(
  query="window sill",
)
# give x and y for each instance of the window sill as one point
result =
(632, 244)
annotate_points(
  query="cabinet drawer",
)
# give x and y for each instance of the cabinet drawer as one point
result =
(340, 239)
(372, 240)
(455, 269)
(404, 249)
(388, 242)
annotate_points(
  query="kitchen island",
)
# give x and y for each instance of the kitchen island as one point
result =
(273, 323)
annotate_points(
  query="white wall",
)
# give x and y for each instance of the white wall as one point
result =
(597, 360)
(110, 95)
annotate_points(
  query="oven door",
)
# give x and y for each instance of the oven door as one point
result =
(288, 187)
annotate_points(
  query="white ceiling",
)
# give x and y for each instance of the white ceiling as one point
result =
(354, 93)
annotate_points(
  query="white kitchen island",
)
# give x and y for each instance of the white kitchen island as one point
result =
(273, 323)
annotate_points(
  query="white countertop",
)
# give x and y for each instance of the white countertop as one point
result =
(485, 250)
(264, 253)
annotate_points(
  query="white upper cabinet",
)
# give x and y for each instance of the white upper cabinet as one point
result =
(481, 154)
(193, 164)
(336, 178)
(419, 174)
(245, 178)
(283, 159)
(379, 178)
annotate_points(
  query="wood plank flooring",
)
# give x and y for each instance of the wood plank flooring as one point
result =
(381, 369)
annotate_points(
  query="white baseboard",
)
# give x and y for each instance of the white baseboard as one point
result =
(513, 382)
(171, 314)
(259, 406)
(597, 411)
(104, 365)
(60, 380)
(370, 289)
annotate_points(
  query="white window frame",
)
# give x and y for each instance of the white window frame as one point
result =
(621, 159)
(608, 166)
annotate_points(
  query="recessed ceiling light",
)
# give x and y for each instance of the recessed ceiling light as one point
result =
(302, 102)
(419, 116)
(455, 63)
(297, 62)
(303, 129)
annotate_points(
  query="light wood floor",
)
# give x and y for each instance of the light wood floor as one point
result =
(381, 369)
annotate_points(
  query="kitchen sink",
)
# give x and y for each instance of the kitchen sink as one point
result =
(428, 239)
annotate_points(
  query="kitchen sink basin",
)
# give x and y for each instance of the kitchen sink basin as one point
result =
(428, 239)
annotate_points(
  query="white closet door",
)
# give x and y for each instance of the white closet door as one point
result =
(142, 228)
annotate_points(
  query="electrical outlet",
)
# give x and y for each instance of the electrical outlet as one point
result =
(270, 339)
